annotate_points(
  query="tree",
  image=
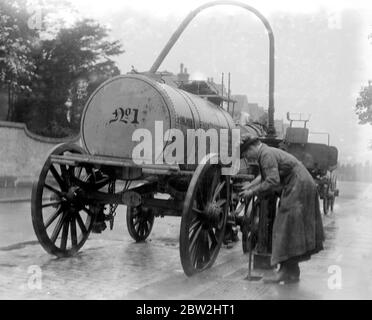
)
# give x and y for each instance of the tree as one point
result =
(68, 68)
(363, 107)
(93, 63)
(16, 40)
(51, 65)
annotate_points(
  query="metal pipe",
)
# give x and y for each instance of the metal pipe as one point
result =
(228, 92)
(221, 93)
(191, 16)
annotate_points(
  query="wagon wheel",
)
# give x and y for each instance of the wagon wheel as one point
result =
(61, 221)
(203, 218)
(139, 222)
(250, 224)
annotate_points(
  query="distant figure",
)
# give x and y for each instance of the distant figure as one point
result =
(245, 118)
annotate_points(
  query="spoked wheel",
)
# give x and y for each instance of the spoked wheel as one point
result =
(249, 227)
(203, 218)
(139, 222)
(61, 222)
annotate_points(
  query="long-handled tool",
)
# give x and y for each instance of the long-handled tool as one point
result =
(251, 277)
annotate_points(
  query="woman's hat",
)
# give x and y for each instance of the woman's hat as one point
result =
(247, 138)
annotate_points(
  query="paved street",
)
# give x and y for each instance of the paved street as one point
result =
(113, 266)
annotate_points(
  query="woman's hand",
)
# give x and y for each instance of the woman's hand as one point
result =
(247, 193)
(243, 186)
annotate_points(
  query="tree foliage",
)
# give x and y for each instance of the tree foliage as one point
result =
(60, 66)
(363, 107)
(16, 41)
(69, 68)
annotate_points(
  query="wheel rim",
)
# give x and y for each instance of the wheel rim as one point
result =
(203, 219)
(139, 222)
(61, 223)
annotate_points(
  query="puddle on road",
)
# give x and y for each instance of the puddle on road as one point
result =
(19, 245)
(167, 242)
(8, 265)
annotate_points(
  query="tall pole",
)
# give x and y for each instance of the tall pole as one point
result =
(228, 93)
(191, 16)
(221, 93)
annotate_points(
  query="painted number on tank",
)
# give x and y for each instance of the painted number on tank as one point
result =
(127, 115)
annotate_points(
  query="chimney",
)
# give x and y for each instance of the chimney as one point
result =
(183, 76)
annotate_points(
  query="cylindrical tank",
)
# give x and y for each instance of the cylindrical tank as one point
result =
(126, 103)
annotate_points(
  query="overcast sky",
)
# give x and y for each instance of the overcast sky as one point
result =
(323, 55)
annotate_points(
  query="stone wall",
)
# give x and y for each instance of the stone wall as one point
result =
(22, 153)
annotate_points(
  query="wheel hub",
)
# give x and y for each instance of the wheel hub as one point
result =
(214, 213)
(72, 194)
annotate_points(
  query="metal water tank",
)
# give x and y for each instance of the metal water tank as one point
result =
(129, 102)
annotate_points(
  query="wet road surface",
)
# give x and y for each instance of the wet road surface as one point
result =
(112, 266)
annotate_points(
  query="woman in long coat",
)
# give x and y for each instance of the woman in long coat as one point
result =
(298, 229)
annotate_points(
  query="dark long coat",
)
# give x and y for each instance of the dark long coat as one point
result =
(298, 229)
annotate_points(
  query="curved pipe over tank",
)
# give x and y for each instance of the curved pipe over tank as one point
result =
(191, 16)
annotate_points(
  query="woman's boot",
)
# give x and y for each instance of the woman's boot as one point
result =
(295, 272)
(283, 275)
